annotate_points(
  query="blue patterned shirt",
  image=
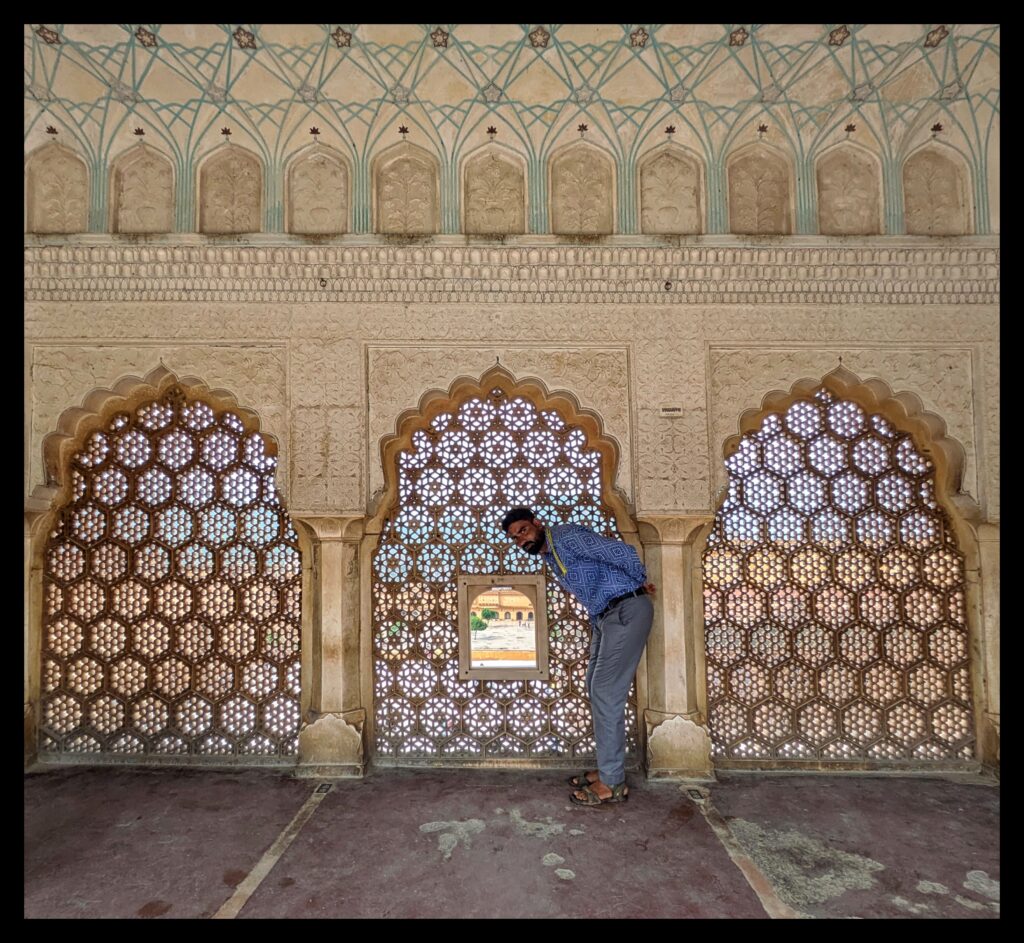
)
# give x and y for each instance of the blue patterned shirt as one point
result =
(596, 568)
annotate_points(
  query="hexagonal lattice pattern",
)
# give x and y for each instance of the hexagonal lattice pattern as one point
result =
(838, 634)
(456, 482)
(172, 593)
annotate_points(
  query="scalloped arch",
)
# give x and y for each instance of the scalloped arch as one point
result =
(435, 401)
(76, 423)
(905, 410)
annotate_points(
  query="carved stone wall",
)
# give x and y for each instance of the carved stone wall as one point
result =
(143, 195)
(494, 195)
(230, 187)
(759, 193)
(670, 188)
(406, 190)
(935, 195)
(849, 193)
(318, 193)
(58, 191)
(581, 191)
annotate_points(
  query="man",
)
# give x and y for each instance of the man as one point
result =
(608, 578)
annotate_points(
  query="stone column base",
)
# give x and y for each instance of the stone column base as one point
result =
(331, 746)
(677, 748)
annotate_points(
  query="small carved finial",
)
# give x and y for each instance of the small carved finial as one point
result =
(491, 131)
(583, 129)
(175, 398)
(315, 132)
(670, 129)
(50, 129)
(936, 129)
(226, 132)
(762, 130)
(138, 132)
(403, 130)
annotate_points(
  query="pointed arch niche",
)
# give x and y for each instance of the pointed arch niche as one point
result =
(582, 187)
(935, 192)
(760, 190)
(671, 191)
(494, 191)
(57, 190)
(841, 627)
(406, 191)
(455, 464)
(849, 181)
(166, 583)
(141, 191)
(318, 192)
(230, 191)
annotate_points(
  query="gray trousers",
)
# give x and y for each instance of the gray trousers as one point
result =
(616, 644)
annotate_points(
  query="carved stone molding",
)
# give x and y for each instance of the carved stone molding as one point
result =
(142, 195)
(230, 191)
(927, 273)
(671, 529)
(58, 190)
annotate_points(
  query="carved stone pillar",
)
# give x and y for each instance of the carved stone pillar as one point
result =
(38, 513)
(678, 745)
(334, 717)
(988, 547)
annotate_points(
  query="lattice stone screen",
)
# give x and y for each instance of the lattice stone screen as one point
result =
(463, 473)
(834, 597)
(172, 591)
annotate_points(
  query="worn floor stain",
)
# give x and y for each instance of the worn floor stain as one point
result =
(546, 829)
(981, 883)
(452, 833)
(930, 887)
(565, 874)
(575, 831)
(967, 902)
(802, 869)
(910, 907)
(551, 859)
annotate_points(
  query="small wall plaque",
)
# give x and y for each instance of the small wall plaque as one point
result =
(671, 412)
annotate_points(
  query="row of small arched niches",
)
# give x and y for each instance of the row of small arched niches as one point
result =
(405, 192)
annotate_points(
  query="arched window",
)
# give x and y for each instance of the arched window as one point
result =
(172, 591)
(508, 615)
(462, 469)
(519, 616)
(834, 597)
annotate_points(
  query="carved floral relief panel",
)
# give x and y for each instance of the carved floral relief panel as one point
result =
(581, 192)
(938, 375)
(934, 195)
(494, 196)
(759, 197)
(670, 196)
(407, 196)
(143, 193)
(58, 191)
(318, 194)
(229, 192)
(849, 194)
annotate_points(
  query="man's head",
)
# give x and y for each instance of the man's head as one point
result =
(524, 529)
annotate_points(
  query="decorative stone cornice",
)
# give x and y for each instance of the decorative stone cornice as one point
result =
(718, 270)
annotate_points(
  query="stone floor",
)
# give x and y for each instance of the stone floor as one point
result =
(113, 842)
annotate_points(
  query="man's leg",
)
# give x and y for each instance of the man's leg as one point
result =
(595, 647)
(624, 633)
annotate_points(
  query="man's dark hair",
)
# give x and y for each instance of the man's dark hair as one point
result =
(516, 514)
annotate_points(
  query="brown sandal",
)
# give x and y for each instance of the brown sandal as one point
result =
(620, 793)
(580, 780)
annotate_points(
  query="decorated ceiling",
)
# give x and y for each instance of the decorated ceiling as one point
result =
(359, 88)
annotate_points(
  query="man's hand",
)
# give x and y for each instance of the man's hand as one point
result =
(651, 589)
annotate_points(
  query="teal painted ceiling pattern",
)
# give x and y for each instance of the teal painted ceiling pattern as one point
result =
(800, 87)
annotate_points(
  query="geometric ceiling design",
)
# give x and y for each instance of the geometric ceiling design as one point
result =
(715, 86)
